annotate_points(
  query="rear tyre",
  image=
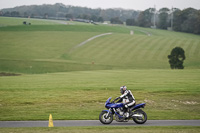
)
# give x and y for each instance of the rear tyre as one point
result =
(105, 120)
(140, 119)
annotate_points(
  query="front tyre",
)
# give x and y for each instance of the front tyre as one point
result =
(140, 116)
(105, 117)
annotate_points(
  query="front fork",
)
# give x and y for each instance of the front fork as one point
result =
(107, 115)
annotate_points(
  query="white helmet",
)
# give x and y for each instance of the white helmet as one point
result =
(123, 89)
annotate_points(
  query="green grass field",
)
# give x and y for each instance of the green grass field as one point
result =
(82, 94)
(74, 82)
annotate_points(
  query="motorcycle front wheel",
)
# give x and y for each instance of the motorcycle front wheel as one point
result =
(141, 118)
(105, 118)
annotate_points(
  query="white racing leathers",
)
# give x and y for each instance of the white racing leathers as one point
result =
(127, 98)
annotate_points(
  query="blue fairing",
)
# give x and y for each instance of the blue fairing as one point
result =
(138, 106)
(113, 105)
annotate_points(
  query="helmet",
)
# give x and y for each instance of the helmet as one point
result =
(123, 89)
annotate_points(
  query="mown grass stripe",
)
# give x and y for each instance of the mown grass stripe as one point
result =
(121, 51)
(115, 56)
(150, 48)
(107, 47)
(159, 49)
(141, 47)
(144, 50)
(133, 54)
(187, 46)
(193, 49)
(197, 51)
(134, 42)
(187, 43)
(90, 39)
(100, 51)
(81, 52)
(154, 48)
(166, 49)
(94, 48)
(96, 54)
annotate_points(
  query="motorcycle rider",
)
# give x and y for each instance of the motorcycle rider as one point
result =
(127, 98)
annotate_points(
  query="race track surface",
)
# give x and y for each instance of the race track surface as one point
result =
(72, 123)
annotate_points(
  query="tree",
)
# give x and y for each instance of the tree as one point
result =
(176, 58)
(7, 14)
(94, 18)
(69, 16)
(26, 15)
(130, 22)
(191, 22)
(177, 20)
(197, 24)
(145, 17)
(116, 20)
(46, 16)
(100, 19)
(187, 20)
(163, 18)
(15, 14)
(84, 16)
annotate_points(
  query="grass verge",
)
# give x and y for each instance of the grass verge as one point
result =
(104, 129)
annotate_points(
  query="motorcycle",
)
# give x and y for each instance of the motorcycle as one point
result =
(120, 114)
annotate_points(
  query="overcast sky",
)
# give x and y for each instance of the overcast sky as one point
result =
(126, 4)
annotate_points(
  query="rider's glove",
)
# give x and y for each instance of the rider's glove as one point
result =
(116, 98)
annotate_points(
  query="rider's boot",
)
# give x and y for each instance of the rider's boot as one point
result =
(127, 113)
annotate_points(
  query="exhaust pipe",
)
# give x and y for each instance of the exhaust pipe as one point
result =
(137, 115)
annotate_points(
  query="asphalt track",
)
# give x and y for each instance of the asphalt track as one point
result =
(80, 123)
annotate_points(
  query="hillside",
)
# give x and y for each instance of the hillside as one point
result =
(53, 48)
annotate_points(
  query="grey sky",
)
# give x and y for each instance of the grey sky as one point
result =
(126, 4)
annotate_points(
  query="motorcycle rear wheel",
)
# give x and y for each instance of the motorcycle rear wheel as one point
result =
(140, 120)
(103, 119)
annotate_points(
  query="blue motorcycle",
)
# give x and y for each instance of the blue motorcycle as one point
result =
(120, 113)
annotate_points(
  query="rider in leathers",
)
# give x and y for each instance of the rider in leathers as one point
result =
(127, 98)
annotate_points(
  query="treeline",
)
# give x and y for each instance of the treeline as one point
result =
(61, 11)
(187, 20)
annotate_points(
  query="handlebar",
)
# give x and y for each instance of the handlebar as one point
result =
(115, 100)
